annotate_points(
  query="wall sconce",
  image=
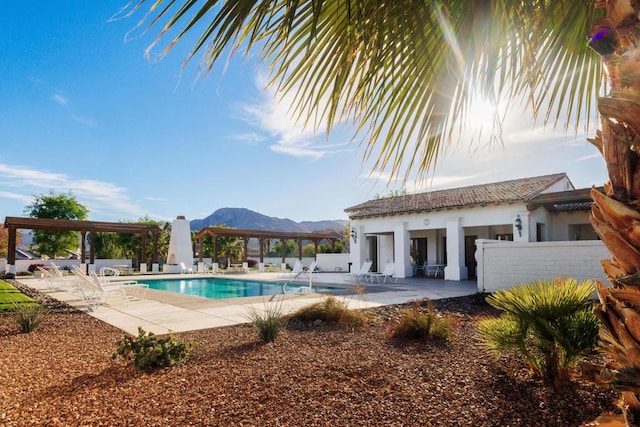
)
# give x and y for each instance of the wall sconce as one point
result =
(518, 224)
(354, 235)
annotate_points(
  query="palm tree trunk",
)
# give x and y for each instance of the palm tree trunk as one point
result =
(616, 211)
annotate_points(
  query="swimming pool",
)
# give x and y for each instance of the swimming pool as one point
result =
(218, 288)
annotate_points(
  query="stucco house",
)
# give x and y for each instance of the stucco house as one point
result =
(441, 228)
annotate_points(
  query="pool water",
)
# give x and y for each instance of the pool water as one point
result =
(217, 288)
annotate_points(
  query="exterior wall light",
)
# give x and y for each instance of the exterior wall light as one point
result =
(518, 224)
(354, 235)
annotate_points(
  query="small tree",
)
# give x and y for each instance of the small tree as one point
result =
(548, 323)
(56, 206)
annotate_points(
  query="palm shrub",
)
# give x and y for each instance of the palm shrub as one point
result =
(268, 322)
(28, 316)
(148, 352)
(549, 323)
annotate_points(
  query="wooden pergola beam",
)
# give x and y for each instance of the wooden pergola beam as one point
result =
(261, 235)
(12, 224)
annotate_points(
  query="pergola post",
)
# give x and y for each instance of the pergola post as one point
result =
(245, 240)
(155, 266)
(83, 249)
(300, 249)
(143, 252)
(283, 251)
(11, 247)
(92, 251)
(261, 244)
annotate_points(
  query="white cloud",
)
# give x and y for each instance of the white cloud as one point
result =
(16, 196)
(291, 137)
(99, 196)
(250, 138)
(87, 121)
(60, 99)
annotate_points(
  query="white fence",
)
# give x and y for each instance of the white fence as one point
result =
(503, 264)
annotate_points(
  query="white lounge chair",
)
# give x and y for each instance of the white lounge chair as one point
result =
(361, 274)
(130, 287)
(310, 270)
(298, 269)
(387, 273)
(184, 269)
(95, 291)
(55, 281)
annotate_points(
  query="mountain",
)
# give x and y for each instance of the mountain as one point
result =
(250, 220)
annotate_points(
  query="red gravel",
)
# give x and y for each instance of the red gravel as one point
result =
(62, 374)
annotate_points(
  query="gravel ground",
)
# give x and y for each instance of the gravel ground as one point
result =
(320, 375)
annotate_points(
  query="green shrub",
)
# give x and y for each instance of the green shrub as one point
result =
(420, 322)
(269, 322)
(331, 310)
(550, 324)
(149, 352)
(28, 316)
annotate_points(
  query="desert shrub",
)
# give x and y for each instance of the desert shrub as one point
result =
(28, 316)
(149, 352)
(550, 324)
(268, 322)
(420, 322)
(331, 310)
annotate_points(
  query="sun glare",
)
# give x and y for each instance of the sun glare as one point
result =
(481, 114)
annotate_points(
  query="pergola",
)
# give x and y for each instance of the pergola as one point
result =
(12, 224)
(261, 235)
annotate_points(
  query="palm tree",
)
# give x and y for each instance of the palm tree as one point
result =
(408, 74)
(230, 248)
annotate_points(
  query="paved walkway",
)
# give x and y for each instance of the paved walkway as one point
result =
(163, 312)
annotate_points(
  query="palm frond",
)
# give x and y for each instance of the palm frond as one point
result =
(404, 72)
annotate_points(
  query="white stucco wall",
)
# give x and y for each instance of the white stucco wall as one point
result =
(501, 265)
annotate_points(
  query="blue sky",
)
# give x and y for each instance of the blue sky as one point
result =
(83, 110)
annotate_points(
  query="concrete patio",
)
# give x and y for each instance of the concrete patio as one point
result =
(163, 312)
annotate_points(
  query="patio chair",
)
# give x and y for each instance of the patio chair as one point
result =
(387, 273)
(298, 269)
(313, 267)
(55, 280)
(361, 274)
(130, 287)
(422, 268)
(184, 269)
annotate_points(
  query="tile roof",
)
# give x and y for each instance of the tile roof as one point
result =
(516, 190)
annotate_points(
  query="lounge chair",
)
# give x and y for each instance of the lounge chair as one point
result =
(95, 291)
(309, 270)
(55, 280)
(387, 273)
(361, 274)
(298, 269)
(131, 287)
(184, 269)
